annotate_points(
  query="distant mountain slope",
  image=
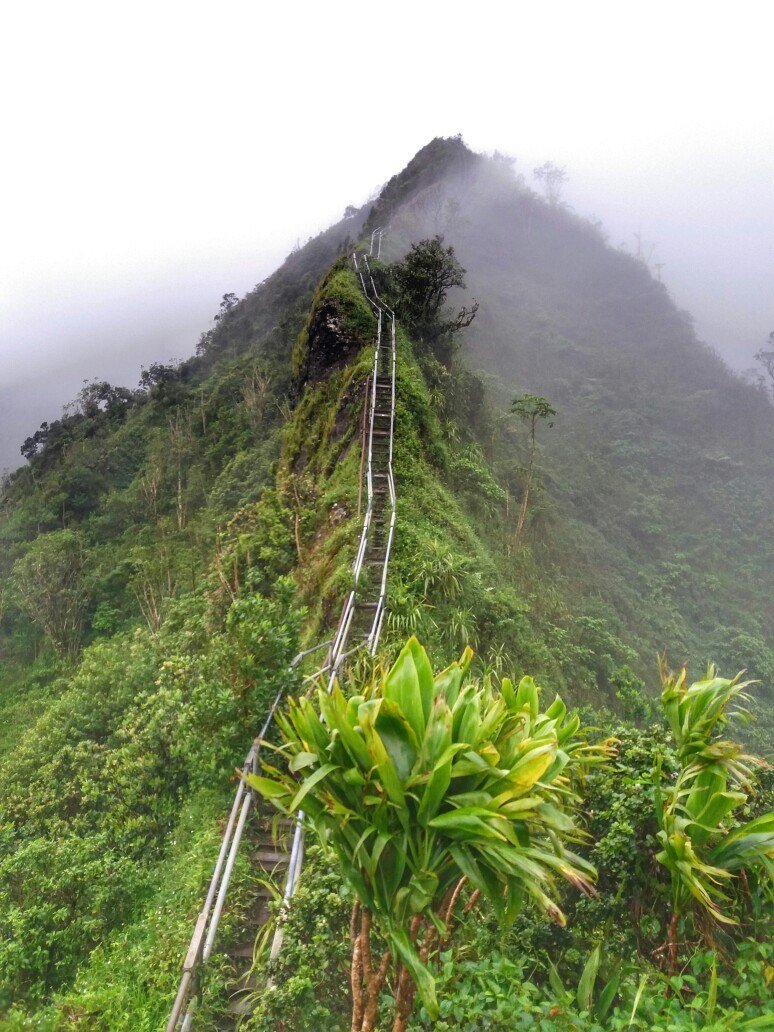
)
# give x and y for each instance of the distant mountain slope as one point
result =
(660, 467)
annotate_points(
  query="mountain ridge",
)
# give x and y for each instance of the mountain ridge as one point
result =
(200, 527)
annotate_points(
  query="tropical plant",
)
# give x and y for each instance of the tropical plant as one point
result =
(583, 995)
(420, 785)
(702, 847)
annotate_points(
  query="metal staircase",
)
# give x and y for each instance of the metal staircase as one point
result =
(359, 628)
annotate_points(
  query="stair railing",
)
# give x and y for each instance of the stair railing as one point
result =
(208, 919)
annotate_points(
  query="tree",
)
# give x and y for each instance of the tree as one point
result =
(423, 280)
(425, 787)
(29, 448)
(530, 408)
(703, 848)
(766, 359)
(98, 396)
(229, 302)
(552, 179)
(158, 373)
(49, 586)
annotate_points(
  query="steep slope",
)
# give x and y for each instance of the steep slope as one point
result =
(131, 628)
(659, 470)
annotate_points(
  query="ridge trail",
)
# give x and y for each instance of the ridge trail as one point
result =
(360, 625)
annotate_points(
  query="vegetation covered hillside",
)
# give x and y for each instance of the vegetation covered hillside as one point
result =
(166, 551)
(658, 474)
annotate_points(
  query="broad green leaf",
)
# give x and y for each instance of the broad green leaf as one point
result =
(557, 710)
(419, 972)
(555, 981)
(449, 681)
(527, 696)
(268, 788)
(398, 737)
(302, 759)
(467, 721)
(402, 687)
(353, 704)
(480, 877)
(716, 807)
(568, 729)
(588, 978)
(554, 817)
(508, 693)
(309, 783)
(608, 994)
(460, 824)
(530, 770)
(380, 757)
(422, 886)
(436, 746)
(425, 677)
(333, 710)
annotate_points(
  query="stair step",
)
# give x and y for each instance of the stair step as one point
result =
(281, 823)
(240, 1007)
(270, 857)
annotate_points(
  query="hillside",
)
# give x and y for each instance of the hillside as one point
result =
(167, 549)
(659, 477)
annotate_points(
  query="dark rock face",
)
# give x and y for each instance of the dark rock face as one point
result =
(330, 345)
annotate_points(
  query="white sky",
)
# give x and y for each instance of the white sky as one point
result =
(156, 155)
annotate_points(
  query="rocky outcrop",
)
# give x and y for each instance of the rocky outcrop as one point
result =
(329, 344)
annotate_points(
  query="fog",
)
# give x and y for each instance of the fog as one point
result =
(159, 156)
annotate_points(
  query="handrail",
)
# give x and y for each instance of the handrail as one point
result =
(208, 919)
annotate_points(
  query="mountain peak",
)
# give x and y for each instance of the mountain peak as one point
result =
(436, 161)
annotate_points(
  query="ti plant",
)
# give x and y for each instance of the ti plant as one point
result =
(703, 847)
(422, 785)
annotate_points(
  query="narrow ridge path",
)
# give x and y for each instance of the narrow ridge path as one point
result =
(359, 627)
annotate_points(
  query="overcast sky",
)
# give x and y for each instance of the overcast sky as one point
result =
(157, 155)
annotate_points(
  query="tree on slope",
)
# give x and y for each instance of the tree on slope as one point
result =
(49, 585)
(529, 408)
(423, 281)
(426, 789)
(552, 179)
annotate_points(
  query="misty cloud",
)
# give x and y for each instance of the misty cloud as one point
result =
(130, 204)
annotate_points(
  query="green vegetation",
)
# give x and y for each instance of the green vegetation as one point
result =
(484, 958)
(700, 850)
(167, 549)
(144, 625)
(422, 785)
(421, 283)
(529, 408)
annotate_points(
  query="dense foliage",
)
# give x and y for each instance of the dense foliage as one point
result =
(421, 784)
(605, 969)
(165, 548)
